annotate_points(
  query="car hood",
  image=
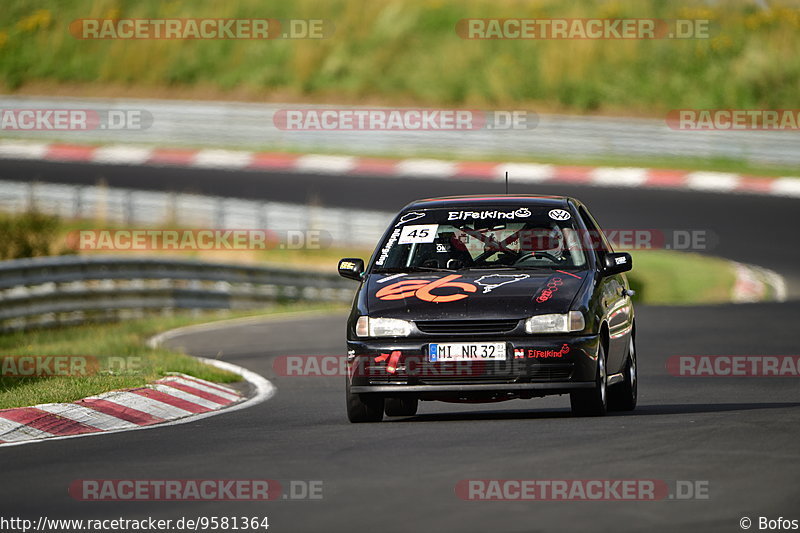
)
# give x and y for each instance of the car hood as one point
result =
(471, 294)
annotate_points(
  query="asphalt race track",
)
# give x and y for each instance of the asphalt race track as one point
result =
(740, 435)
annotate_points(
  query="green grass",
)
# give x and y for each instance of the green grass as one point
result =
(124, 340)
(663, 277)
(407, 51)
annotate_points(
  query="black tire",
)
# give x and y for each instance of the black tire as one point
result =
(592, 402)
(402, 406)
(623, 396)
(363, 407)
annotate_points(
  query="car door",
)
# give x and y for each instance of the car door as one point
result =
(614, 304)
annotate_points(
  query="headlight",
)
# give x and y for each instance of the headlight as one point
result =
(572, 321)
(382, 327)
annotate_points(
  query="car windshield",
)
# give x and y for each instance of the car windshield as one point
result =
(531, 237)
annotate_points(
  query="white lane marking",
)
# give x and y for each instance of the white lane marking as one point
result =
(14, 432)
(23, 150)
(426, 168)
(86, 416)
(325, 164)
(191, 398)
(199, 386)
(712, 181)
(524, 172)
(786, 187)
(222, 159)
(142, 403)
(619, 177)
(122, 154)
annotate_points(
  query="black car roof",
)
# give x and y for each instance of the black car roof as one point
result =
(515, 200)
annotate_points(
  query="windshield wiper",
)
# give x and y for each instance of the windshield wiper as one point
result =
(511, 267)
(492, 267)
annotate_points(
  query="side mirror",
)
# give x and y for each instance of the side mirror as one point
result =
(617, 263)
(351, 268)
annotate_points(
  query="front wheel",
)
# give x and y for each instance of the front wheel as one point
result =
(363, 407)
(623, 397)
(592, 402)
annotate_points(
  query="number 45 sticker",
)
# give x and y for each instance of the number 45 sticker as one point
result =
(418, 233)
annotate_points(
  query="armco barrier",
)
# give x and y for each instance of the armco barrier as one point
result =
(77, 289)
(251, 126)
(135, 208)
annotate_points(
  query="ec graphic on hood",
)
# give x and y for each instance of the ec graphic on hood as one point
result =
(471, 294)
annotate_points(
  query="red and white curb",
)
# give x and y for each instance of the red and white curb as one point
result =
(175, 399)
(757, 284)
(720, 182)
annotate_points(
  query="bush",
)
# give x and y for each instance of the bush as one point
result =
(31, 234)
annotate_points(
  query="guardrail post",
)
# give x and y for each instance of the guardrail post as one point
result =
(129, 209)
(219, 219)
(172, 208)
(262, 216)
(32, 196)
(77, 201)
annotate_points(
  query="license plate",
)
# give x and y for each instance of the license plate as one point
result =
(467, 351)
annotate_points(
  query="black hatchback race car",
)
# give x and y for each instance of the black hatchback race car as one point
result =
(490, 298)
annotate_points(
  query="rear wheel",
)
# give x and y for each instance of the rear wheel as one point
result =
(402, 406)
(592, 402)
(622, 397)
(364, 407)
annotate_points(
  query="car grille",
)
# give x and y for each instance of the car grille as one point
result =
(551, 372)
(466, 327)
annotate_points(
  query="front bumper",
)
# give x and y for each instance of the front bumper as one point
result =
(533, 366)
(540, 388)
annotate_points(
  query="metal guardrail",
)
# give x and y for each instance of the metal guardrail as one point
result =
(134, 208)
(250, 126)
(68, 290)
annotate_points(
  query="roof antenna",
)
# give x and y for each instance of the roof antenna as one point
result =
(506, 181)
